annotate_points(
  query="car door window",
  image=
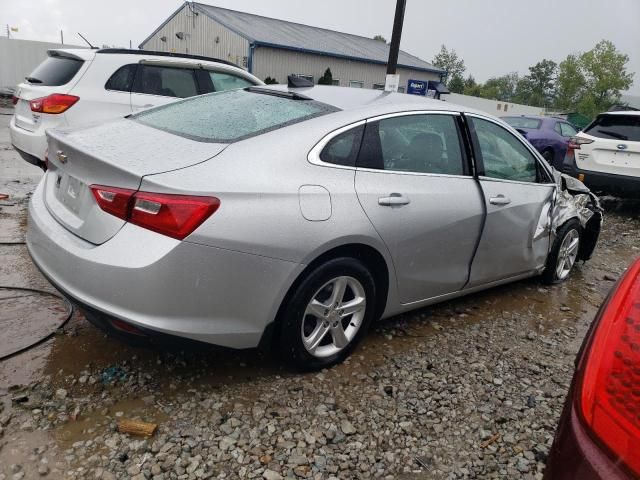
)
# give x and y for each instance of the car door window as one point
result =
(165, 81)
(427, 143)
(225, 81)
(567, 130)
(503, 155)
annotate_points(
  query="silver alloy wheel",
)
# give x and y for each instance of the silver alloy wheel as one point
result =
(567, 254)
(333, 316)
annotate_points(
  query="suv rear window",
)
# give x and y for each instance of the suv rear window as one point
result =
(55, 71)
(522, 122)
(230, 116)
(616, 127)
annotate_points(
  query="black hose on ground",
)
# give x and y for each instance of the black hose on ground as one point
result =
(41, 292)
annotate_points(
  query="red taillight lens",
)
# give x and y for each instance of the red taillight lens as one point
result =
(176, 216)
(610, 392)
(54, 103)
(113, 200)
(14, 99)
(575, 142)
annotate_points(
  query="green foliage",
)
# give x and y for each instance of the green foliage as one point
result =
(327, 78)
(570, 83)
(471, 87)
(538, 87)
(270, 81)
(449, 61)
(456, 84)
(380, 38)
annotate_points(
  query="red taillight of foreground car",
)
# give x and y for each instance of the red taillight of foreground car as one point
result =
(610, 390)
(176, 216)
(54, 103)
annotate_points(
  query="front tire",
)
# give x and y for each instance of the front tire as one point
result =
(564, 253)
(328, 313)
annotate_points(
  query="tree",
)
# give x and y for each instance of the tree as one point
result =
(449, 61)
(380, 38)
(605, 76)
(456, 84)
(570, 83)
(270, 81)
(471, 87)
(327, 78)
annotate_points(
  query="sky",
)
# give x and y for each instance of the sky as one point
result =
(493, 37)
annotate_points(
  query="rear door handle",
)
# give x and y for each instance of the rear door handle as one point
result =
(393, 199)
(500, 200)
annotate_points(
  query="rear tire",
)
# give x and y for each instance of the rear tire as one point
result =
(328, 314)
(564, 253)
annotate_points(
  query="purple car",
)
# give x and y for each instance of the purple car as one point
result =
(598, 437)
(549, 135)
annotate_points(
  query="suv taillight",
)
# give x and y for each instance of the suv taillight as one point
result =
(575, 142)
(176, 216)
(610, 388)
(54, 103)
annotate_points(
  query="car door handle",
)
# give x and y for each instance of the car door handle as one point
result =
(393, 199)
(500, 200)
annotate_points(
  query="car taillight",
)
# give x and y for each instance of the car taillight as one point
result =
(14, 99)
(575, 142)
(54, 103)
(176, 216)
(610, 390)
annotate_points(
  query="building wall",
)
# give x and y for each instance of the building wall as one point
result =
(18, 58)
(278, 63)
(493, 107)
(203, 36)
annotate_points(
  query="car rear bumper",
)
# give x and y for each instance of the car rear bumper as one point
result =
(606, 182)
(160, 284)
(575, 455)
(30, 145)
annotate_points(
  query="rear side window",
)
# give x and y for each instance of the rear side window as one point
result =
(567, 130)
(522, 122)
(122, 79)
(226, 117)
(414, 143)
(343, 149)
(616, 127)
(165, 81)
(225, 81)
(55, 71)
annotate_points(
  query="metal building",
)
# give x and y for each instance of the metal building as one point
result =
(269, 47)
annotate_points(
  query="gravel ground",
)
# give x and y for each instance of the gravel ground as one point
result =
(472, 388)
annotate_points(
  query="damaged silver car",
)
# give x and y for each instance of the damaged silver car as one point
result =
(292, 218)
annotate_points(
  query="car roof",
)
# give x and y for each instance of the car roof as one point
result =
(375, 101)
(622, 112)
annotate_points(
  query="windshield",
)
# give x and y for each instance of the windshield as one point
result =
(522, 122)
(231, 116)
(616, 127)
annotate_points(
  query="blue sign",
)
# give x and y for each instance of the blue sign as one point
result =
(417, 87)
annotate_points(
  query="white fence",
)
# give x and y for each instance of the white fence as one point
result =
(494, 107)
(18, 58)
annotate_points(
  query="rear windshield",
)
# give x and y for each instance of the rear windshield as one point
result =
(230, 116)
(55, 71)
(522, 122)
(616, 127)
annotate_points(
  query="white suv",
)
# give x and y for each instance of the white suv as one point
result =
(606, 154)
(75, 87)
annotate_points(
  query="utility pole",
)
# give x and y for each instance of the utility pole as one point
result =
(8, 31)
(392, 80)
(61, 37)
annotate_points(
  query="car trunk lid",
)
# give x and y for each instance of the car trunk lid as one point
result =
(116, 154)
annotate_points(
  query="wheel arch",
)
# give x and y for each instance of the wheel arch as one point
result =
(372, 258)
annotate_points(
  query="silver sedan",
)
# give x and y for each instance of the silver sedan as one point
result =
(293, 218)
